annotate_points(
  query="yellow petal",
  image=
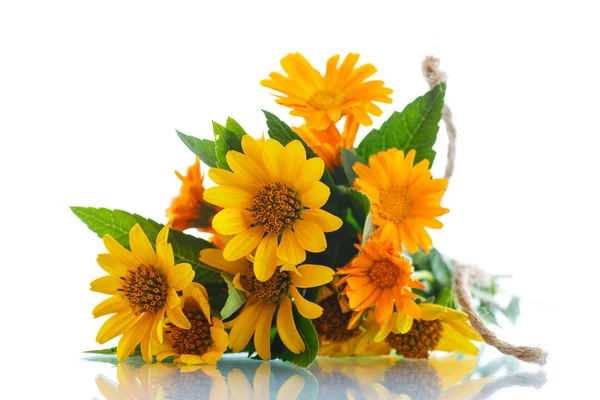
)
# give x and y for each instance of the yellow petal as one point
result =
(223, 177)
(141, 246)
(325, 221)
(111, 265)
(133, 336)
(157, 327)
(310, 236)
(177, 317)
(230, 221)
(291, 389)
(119, 252)
(294, 156)
(111, 305)
(403, 323)
(272, 156)
(310, 275)
(306, 308)
(115, 325)
(253, 149)
(265, 260)
(262, 336)
(316, 196)
(286, 327)
(245, 167)
(243, 243)
(172, 298)
(289, 250)
(180, 276)
(430, 312)
(311, 172)
(454, 341)
(244, 327)
(107, 284)
(164, 256)
(220, 337)
(214, 258)
(228, 196)
(146, 349)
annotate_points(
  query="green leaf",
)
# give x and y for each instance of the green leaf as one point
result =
(232, 125)
(360, 204)
(416, 127)
(348, 160)
(446, 298)
(311, 342)
(225, 140)
(513, 309)
(235, 299)
(118, 223)
(440, 268)
(203, 148)
(281, 132)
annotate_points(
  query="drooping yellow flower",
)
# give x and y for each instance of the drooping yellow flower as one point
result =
(205, 341)
(379, 276)
(404, 197)
(188, 209)
(272, 203)
(437, 328)
(267, 297)
(143, 285)
(241, 389)
(328, 143)
(322, 100)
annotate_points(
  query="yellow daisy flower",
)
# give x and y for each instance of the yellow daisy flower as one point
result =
(266, 298)
(205, 341)
(438, 328)
(404, 197)
(322, 100)
(272, 203)
(143, 285)
(188, 209)
(328, 143)
(379, 276)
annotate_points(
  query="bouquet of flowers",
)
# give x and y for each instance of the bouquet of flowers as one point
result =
(317, 245)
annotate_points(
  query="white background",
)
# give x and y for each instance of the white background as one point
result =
(91, 94)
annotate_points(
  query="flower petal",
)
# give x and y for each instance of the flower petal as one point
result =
(243, 243)
(403, 323)
(294, 156)
(111, 305)
(111, 265)
(289, 250)
(325, 221)
(141, 246)
(245, 167)
(223, 177)
(311, 172)
(178, 318)
(119, 252)
(108, 284)
(286, 327)
(265, 259)
(180, 276)
(310, 275)
(115, 325)
(214, 258)
(272, 156)
(310, 236)
(316, 196)
(228, 196)
(230, 221)
(306, 308)
(262, 336)
(172, 298)
(244, 326)
(133, 336)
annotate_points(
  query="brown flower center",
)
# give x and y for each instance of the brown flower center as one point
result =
(384, 273)
(327, 99)
(196, 340)
(145, 289)
(272, 290)
(394, 204)
(331, 326)
(276, 207)
(419, 341)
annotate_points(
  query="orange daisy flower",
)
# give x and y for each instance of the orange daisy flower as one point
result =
(322, 100)
(188, 209)
(379, 276)
(405, 200)
(327, 143)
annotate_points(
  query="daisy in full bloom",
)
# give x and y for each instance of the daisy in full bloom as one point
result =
(267, 298)
(143, 285)
(322, 100)
(404, 197)
(379, 276)
(271, 202)
(437, 328)
(188, 209)
(327, 143)
(205, 341)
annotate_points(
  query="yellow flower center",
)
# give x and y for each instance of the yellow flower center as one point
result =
(419, 341)
(276, 207)
(272, 290)
(327, 99)
(197, 339)
(331, 326)
(394, 204)
(384, 273)
(145, 289)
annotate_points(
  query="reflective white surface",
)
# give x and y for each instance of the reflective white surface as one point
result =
(444, 376)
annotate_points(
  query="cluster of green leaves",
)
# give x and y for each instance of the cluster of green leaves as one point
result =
(436, 272)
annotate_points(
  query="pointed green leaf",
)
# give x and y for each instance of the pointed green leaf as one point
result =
(203, 148)
(416, 127)
(118, 223)
(349, 158)
(235, 127)
(235, 299)
(281, 132)
(225, 140)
